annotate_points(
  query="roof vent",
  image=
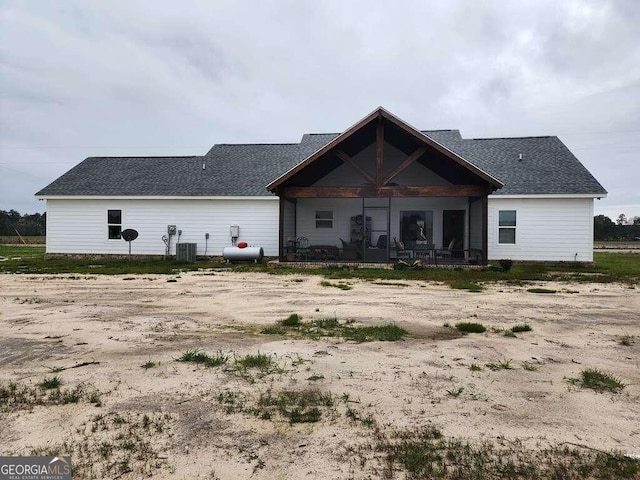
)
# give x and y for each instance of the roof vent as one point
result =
(204, 165)
(519, 157)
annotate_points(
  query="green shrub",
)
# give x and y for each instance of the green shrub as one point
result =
(470, 327)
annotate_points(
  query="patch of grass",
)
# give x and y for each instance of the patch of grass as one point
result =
(474, 367)
(51, 382)
(509, 333)
(275, 330)
(382, 333)
(426, 453)
(503, 364)
(523, 327)
(15, 396)
(455, 391)
(332, 327)
(470, 327)
(530, 367)
(111, 445)
(148, 364)
(295, 406)
(627, 340)
(340, 285)
(198, 356)
(607, 267)
(260, 361)
(470, 286)
(541, 290)
(601, 381)
(292, 320)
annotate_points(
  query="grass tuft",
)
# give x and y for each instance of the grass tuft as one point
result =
(198, 356)
(470, 327)
(261, 361)
(601, 381)
(292, 320)
(51, 382)
(627, 340)
(148, 364)
(523, 327)
(503, 364)
(341, 285)
(455, 392)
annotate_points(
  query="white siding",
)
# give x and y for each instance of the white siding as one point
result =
(80, 226)
(554, 229)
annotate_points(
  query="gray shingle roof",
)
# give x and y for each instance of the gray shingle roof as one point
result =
(547, 167)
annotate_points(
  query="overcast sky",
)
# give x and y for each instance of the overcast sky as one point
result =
(120, 78)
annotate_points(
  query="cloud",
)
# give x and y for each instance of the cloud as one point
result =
(162, 78)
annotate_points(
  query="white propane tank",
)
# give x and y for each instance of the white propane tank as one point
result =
(237, 254)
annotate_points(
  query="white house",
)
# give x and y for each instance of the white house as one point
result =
(378, 191)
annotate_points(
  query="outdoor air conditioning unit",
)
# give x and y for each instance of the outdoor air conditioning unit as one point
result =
(186, 252)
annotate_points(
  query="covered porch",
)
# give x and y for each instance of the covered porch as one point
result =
(383, 191)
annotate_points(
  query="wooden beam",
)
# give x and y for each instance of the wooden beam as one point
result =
(379, 151)
(384, 191)
(347, 159)
(412, 158)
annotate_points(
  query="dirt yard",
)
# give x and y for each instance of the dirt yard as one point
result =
(126, 408)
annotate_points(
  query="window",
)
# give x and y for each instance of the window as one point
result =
(324, 219)
(114, 224)
(507, 226)
(416, 226)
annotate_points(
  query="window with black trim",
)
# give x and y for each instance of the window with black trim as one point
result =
(324, 219)
(114, 224)
(507, 226)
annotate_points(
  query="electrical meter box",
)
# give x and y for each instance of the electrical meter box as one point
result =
(235, 231)
(171, 229)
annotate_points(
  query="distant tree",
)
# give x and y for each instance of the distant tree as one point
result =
(26, 225)
(622, 219)
(603, 228)
(636, 220)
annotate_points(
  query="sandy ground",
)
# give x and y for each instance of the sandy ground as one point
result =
(124, 321)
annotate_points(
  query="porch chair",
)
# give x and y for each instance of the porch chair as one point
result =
(446, 252)
(401, 252)
(302, 248)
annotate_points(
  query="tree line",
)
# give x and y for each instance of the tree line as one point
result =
(13, 223)
(622, 229)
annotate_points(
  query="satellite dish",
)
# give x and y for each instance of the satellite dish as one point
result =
(129, 235)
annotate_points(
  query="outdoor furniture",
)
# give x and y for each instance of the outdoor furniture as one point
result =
(400, 251)
(446, 253)
(351, 251)
(302, 249)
